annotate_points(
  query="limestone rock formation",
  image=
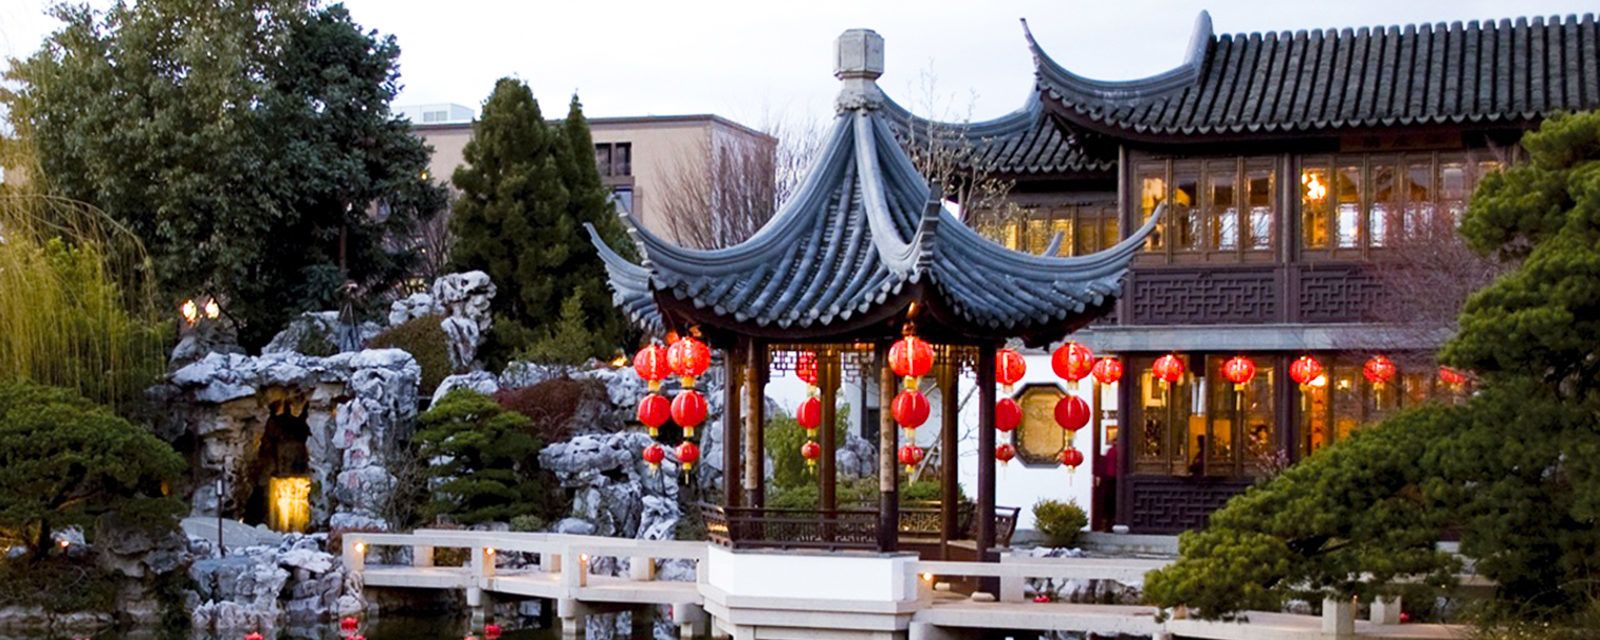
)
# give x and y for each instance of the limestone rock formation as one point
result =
(462, 300)
(318, 333)
(295, 583)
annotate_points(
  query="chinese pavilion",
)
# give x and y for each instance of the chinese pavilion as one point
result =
(862, 256)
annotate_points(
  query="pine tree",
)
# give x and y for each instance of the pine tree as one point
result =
(527, 188)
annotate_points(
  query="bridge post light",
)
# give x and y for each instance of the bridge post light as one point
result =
(355, 556)
(583, 569)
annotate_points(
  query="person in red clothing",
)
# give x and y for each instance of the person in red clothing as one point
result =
(1105, 485)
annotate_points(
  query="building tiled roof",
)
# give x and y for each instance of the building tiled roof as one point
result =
(1021, 143)
(1479, 72)
(863, 227)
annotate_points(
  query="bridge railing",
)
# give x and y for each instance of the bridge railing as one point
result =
(567, 555)
(1013, 571)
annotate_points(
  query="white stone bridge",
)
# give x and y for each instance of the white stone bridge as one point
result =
(765, 594)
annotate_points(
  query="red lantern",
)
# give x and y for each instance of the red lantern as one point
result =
(1072, 413)
(805, 367)
(1304, 369)
(651, 363)
(1239, 370)
(911, 358)
(654, 454)
(1168, 368)
(253, 635)
(910, 408)
(1452, 376)
(1007, 415)
(1009, 366)
(688, 358)
(1379, 370)
(1071, 457)
(809, 414)
(358, 637)
(1108, 370)
(654, 411)
(689, 410)
(811, 451)
(1004, 452)
(910, 456)
(491, 631)
(688, 454)
(1072, 361)
(348, 625)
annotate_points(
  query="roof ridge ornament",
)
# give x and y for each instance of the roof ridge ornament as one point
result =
(858, 63)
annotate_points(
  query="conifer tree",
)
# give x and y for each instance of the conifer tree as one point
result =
(527, 188)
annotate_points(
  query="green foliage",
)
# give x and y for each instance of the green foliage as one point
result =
(1516, 471)
(528, 522)
(858, 492)
(484, 462)
(569, 341)
(552, 405)
(527, 190)
(426, 341)
(244, 143)
(784, 437)
(57, 585)
(1060, 522)
(65, 461)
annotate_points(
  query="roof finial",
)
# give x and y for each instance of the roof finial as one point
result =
(858, 62)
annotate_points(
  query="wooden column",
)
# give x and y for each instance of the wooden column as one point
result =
(888, 463)
(732, 470)
(755, 414)
(986, 400)
(1096, 493)
(827, 471)
(949, 453)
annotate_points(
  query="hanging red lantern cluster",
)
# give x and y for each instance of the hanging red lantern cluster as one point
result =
(1379, 370)
(910, 410)
(1009, 367)
(1004, 452)
(654, 454)
(688, 454)
(911, 455)
(1072, 413)
(1007, 415)
(809, 413)
(911, 358)
(1107, 370)
(1305, 370)
(1071, 457)
(689, 357)
(686, 358)
(654, 411)
(811, 451)
(651, 364)
(1072, 362)
(1168, 369)
(1239, 370)
(689, 410)
(805, 368)
(1452, 377)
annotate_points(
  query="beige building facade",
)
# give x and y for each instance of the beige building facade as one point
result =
(641, 158)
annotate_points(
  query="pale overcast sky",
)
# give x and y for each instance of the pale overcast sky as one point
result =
(749, 60)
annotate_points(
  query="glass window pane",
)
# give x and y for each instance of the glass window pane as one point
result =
(1224, 206)
(1185, 209)
(1038, 234)
(1150, 441)
(1108, 230)
(1382, 208)
(622, 163)
(1453, 188)
(602, 159)
(1315, 430)
(1261, 215)
(1153, 192)
(1346, 381)
(1347, 212)
(1219, 441)
(1080, 238)
(1314, 206)
(1419, 201)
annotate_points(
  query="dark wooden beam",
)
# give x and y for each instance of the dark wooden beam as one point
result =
(986, 400)
(888, 463)
(828, 380)
(755, 412)
(732, 424)
(949, 454)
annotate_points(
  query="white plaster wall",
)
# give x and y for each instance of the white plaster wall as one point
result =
(811, 576)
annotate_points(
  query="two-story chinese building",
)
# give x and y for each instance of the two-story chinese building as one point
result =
(1293, 164)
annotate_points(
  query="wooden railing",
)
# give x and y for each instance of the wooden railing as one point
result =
(853, 527)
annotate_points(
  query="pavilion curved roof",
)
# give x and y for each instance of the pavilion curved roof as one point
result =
(864, 237)
(1021, 143)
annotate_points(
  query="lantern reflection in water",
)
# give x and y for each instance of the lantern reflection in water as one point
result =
(290, 506)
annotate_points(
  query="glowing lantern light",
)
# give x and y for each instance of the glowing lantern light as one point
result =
(809, 414)
(805, 367)
(254, 635)
(1168, 369)
(348, 625)
(1315, 190)
(1452, 377)
(911, 455)
(654, 454)
(1072, 413)
(1007, 415)
(190, 311)
(654, 411)
(1072, 362)
(1304, 370)
(1239, 370)
(1009, 367)
(1379, 370)
(689, 410)
(911, 358)
(1107, 370)
(1004, 452)
(811, 451)
(1071, 457)
(688, 454)
(651, 364)
(213, 310)
(491, 631)
(910, 408)
(688, 358)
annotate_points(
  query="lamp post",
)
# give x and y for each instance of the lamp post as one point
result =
(222, 492)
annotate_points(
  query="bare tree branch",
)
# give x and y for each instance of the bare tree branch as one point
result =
(728, 186)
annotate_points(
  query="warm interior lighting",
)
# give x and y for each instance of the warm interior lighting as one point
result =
(290, 506)
(1315, 190)
(190, 311)
(361, 547)
(213, 310)
(488, 551)
(927, 577)
(620, 361)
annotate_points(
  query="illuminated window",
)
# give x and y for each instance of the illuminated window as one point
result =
(1347, 207)
(1084, 228)
(1314, 206)
(1260, 184)
(1187, 218)
(1152, 192)
(1385, 201)
(1201, 425)
(1215, 207)
(1342, 401)
(1223, 204)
